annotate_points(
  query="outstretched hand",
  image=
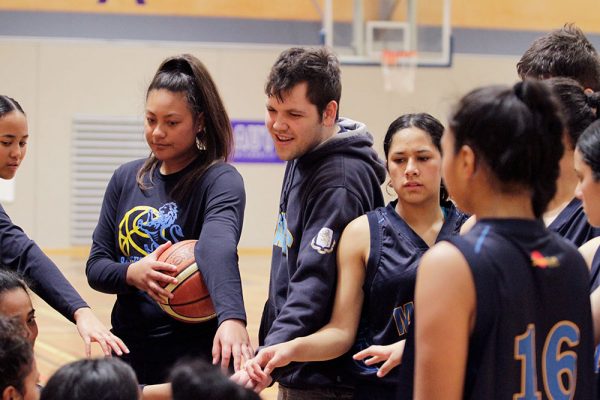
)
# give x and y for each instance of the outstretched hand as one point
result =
(92, 330)
(148, 274)
(232, 339)
(243, 379)
(269, 358)
(390, 355)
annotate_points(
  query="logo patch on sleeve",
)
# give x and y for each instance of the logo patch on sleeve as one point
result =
(323, 242)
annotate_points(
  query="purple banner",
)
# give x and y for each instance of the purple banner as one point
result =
(253, 144)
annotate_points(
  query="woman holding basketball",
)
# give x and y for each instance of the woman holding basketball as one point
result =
(377, 260)
(21, 254)
(183, 190)
(503, 311)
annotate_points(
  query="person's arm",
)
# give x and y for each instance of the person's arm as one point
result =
(335, 338)
(216, 254)
(595, 300)
(588, 250)
(444, 282)
(161, 391)
(312, 285)
(468, 224)
(103, 272)
(21, 254)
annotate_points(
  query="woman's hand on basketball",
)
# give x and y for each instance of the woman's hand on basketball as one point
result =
(232, 339)
(391, 354)
(148, 274)
(92, 330)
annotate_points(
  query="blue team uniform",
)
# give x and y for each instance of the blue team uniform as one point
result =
(389, 287)
(572, 224)
(533, 334)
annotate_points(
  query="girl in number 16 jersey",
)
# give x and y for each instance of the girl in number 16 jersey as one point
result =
(503, 312)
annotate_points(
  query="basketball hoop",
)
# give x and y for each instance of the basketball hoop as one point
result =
(398, 69)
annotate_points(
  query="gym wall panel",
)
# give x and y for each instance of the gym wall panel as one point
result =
(57, 80)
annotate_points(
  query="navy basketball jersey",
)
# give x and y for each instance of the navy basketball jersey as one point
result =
(533, 333)
(572, 224)
(389, 288)
(595, 271)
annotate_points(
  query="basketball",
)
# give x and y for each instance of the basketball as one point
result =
(191, 301)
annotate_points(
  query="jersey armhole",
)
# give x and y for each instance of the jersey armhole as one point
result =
(374, 219)
(486, 307)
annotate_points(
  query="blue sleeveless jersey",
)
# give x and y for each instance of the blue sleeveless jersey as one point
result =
(533, 335)
(595, 271)
(533, 330)
(572, 224)
(395, 251)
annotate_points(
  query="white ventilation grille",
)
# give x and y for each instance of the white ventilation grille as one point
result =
(100, 145)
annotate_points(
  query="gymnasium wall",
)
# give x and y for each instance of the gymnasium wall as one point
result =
(57, 76)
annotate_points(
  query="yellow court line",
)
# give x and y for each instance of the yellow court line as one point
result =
(55, 352)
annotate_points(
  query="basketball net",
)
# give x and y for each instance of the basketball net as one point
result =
(398, 69)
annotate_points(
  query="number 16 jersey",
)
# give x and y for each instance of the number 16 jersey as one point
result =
(533, 335)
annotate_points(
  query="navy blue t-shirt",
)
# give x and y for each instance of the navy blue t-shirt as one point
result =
(133, 223)
(389, 287)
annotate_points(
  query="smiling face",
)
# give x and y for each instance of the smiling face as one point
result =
(13, 143)
(16, 303)
(295, 124)
(170, 129)
(414, 165)
(588, 189)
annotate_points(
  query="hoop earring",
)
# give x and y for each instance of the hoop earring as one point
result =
(199, 144)
(387, 188)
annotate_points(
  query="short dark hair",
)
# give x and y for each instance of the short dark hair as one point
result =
(196, 379)
(427, 124)
(589, 147)
(517, 133)
(16, 355)
(8, 104)
(578, 108)
(187, 74)
(318, 67)
(562, 52)
(92, 379)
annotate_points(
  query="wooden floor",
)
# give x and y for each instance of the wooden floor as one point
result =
(58, 342)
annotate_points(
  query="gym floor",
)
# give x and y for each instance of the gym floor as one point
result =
(59, 343)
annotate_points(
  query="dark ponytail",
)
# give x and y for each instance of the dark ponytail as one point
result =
(187, 74)
(517, 133)
(427, 124)
(589, 147)
(578, 108)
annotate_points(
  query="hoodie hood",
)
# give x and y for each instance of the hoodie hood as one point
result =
(353, 140)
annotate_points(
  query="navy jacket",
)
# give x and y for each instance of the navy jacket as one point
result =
(322, 192)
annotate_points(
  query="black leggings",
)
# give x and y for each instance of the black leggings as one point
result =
(153, 358)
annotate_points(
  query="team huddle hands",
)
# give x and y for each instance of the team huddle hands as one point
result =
(411, 287)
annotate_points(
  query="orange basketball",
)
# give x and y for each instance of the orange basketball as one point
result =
(191, 301)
